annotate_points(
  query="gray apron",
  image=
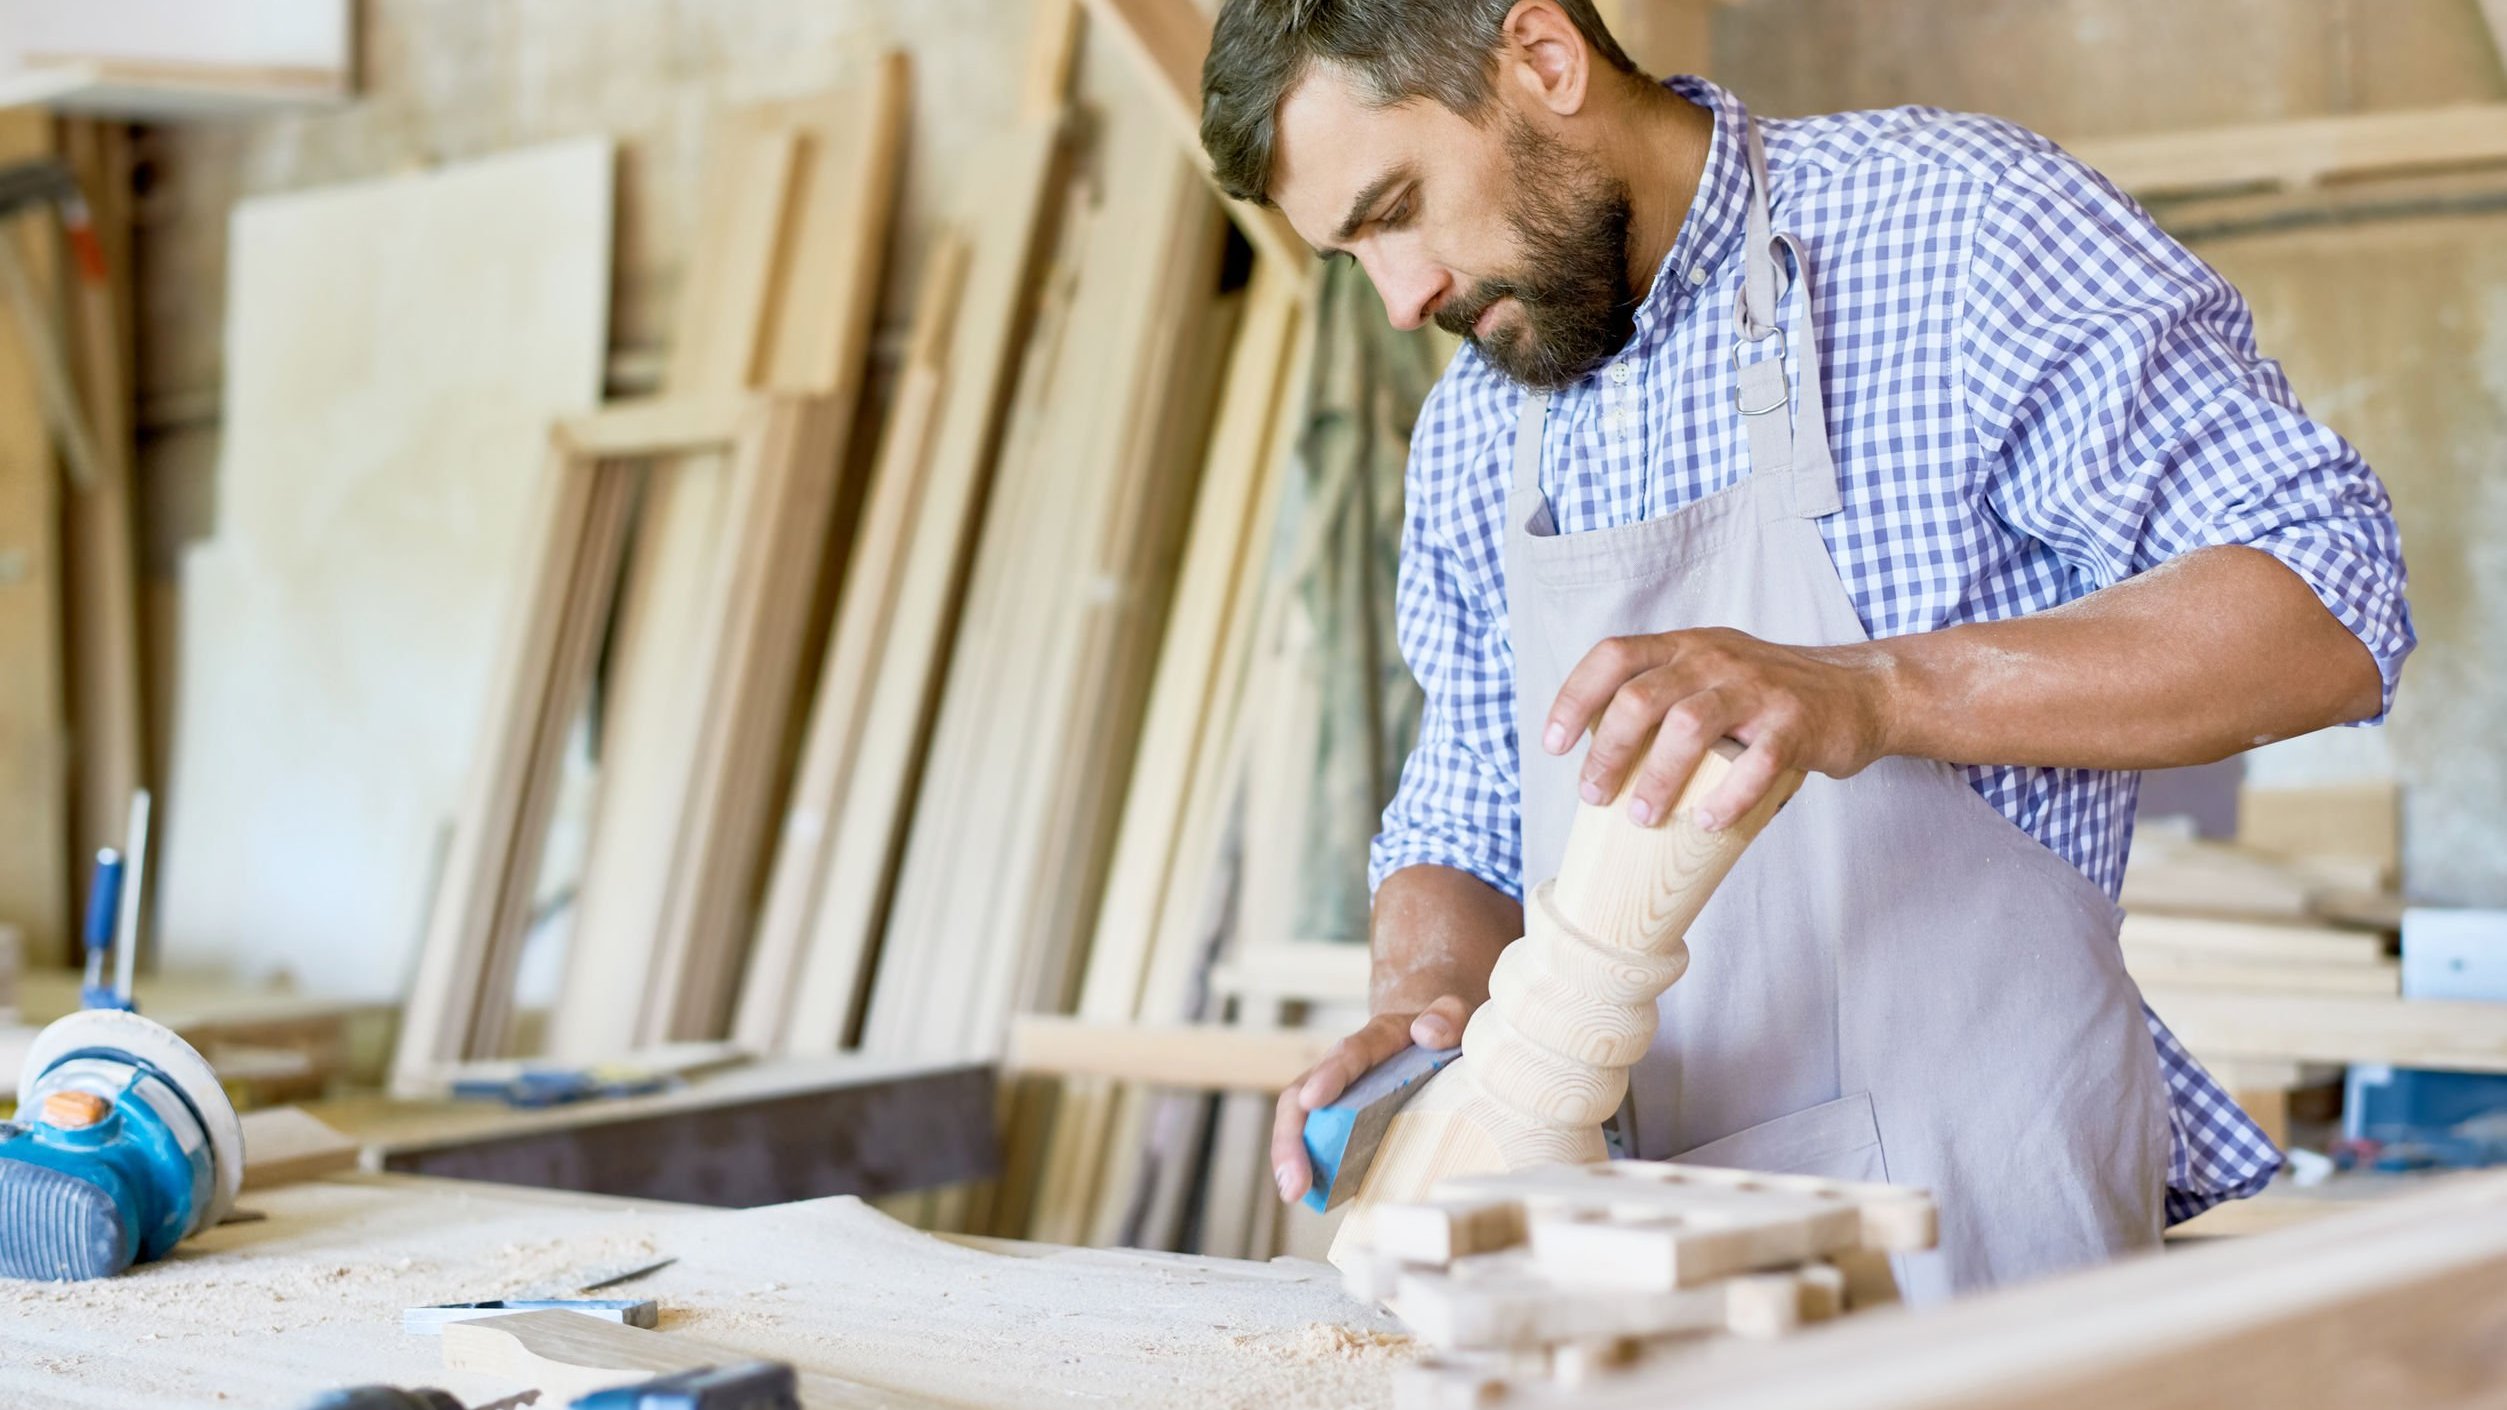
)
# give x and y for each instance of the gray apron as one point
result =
(1896, 983)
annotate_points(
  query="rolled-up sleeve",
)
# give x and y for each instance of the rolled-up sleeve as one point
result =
(1457, 805)
(2113, 381)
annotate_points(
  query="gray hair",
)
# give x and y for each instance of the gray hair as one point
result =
(1395, 50)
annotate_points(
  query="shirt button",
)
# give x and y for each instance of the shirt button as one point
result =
(1697, 274)
(1619, 373)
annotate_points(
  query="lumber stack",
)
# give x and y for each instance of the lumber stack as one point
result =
(1570, 1275)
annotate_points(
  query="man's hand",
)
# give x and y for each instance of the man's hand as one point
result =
(1658, 703)
(1439, 1025)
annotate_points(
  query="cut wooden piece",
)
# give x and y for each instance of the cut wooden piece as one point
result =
(1439, 1231)
(566, 1356)
(2455, 1036)
(658, 426)
(1501, 1301)
(1571, 1005)
(1180, 1055)
(286, 1144)
(1168, 39)
(2359, 822)
(2259, 943)
(34, 743)
(2301, 152)
(841, 835)
(1050, 671)
(2383, 1304)
(375, 496)
(98, 546)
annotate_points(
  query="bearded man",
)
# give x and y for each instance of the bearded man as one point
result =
(1899, 447)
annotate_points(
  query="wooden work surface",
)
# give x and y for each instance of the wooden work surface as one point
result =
(268, 1314)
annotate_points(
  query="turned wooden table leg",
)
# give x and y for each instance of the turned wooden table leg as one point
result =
(1571, 1005)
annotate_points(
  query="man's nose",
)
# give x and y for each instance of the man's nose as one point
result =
(1411, 293)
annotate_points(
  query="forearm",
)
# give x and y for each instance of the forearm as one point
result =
(1437, 932)
(2193, 661)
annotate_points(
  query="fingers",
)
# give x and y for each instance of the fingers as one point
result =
(1688, 729)
(1347, 1061)
(1591, 686)
(1440, 1024)
(1289, 1168)
(1742, 789)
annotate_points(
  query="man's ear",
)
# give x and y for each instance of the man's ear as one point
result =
(1544, 57)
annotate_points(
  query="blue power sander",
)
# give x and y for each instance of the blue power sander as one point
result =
(124, 1145)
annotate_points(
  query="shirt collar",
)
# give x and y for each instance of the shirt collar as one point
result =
(1712, 229)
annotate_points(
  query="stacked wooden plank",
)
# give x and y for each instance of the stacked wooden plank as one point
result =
(1574, 1274)
(738, 471)
(869, 720)
(780, 299)
(1072, 577)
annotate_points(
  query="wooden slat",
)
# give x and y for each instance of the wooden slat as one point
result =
(443, 1002)
(852, 669)
(809, 1002)
(34, 865)
(99, 550)
(2448, 1035)
(1168, 39)
(2301, 152)
(1168, 1055)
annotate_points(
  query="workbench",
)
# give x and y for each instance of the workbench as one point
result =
(266, 1314)
(2399, 1295)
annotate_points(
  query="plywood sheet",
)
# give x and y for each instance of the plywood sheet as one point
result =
(380, 454)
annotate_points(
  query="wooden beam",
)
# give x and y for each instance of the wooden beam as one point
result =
(2303, 152)
(1166, 1055)
(2444, 1034)
(1169, 39)
(2494, 14)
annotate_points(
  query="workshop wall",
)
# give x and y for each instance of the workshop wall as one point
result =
(2394, 331)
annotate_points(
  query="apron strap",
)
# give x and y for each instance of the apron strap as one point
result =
(1531, 417)
(1794, 446)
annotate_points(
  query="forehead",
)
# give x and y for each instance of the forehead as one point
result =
(1334, 141)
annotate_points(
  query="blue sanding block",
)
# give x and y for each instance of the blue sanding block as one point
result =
(1341, 1138)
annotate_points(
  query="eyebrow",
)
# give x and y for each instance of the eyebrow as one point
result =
(1366, 203)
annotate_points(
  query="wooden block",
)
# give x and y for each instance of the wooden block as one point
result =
(2459, 1036)
(1657, 1250)
(2359, 822)
(1438, 1232)
(1498, 1301)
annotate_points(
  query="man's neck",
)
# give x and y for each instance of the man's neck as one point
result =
(1661, 156)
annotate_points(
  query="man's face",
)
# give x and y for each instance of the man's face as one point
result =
(1501, 233)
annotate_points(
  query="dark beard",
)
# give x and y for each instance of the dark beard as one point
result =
(1578, 308)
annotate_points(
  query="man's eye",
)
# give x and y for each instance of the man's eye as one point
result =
(1398, 216)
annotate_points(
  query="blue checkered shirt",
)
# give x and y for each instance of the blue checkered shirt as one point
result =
(2033, 392)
